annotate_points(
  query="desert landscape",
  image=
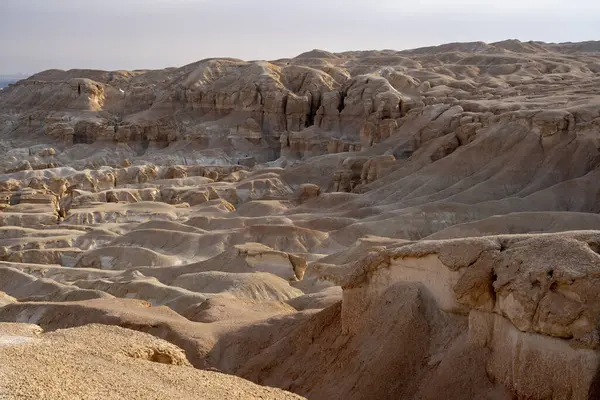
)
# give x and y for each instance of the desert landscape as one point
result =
(417, 224)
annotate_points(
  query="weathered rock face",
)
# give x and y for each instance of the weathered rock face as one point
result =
(306, 192)
(79, 94)
(233, 111)
(272, 99)
(504, 311)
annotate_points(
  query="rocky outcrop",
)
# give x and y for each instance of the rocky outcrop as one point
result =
(6, 299)
(294, 108)
(306, 192)
(499, 309)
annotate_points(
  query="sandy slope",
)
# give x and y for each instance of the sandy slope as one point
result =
(95, 362)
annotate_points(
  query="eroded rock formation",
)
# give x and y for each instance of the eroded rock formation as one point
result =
(396, 225)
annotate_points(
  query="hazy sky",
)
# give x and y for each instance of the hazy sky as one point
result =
(128, 34)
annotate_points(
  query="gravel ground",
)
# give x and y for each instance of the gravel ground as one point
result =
(106, 362)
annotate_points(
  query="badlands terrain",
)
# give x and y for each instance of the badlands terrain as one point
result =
(417, 224)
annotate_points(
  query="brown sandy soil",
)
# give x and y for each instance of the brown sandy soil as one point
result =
(99, 362)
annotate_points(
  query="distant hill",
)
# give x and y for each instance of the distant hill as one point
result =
(5, 80)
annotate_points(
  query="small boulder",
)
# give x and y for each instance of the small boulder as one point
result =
(306, 192)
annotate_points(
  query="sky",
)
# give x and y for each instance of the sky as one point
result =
(145, 34)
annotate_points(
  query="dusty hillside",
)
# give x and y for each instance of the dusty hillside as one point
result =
(393, 224)
(108, 362)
